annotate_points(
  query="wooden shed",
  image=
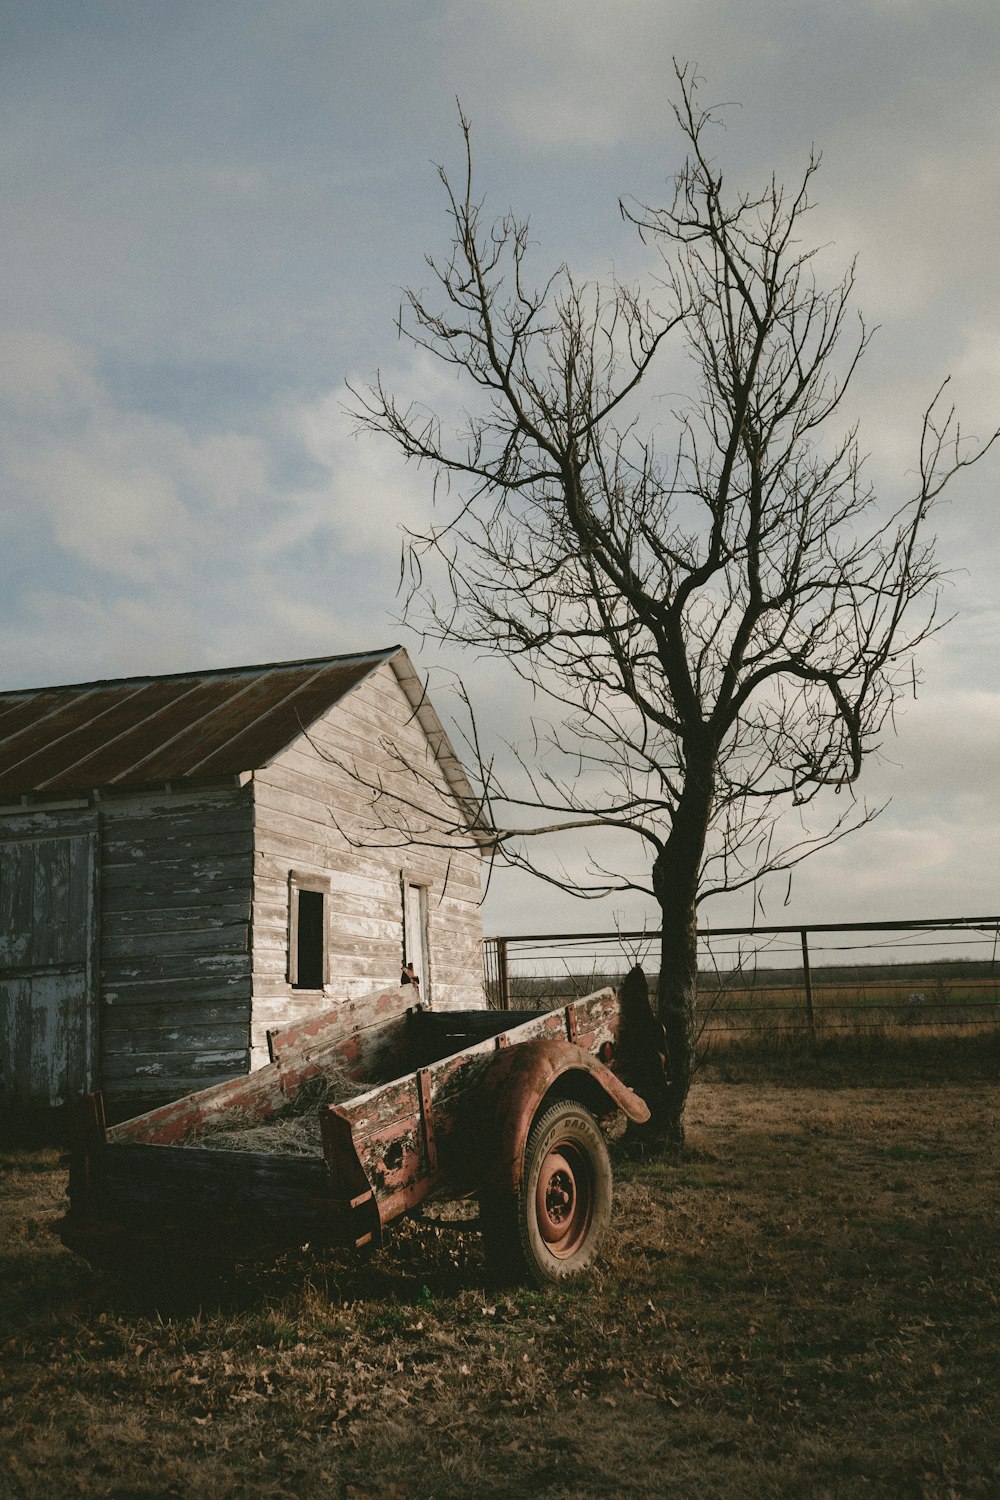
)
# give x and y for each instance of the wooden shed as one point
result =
(188, 861)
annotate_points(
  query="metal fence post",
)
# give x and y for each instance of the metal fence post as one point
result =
(807, 975)
(503, 975)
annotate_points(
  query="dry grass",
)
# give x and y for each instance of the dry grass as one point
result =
(804, 1305)
(878, 1053)
(293, 1131)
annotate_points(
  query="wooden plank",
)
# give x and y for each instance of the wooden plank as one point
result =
(46, 1055)
(160, 882)
(284, 815)
(50, 822)
(356, 865)
(80, 895)
(328, 1028)
(184, 889)
(366, 719)
(309, 846)
(218, 938)
(15, 1035)
(206, 988)
(275, 1012)
(167, 1063)
(171, 966)
(228, 1035)
(231, 1012)
(135, 852)
(130, 1098)
(255, 1095)
(385, 940)
(176, 818)
(286, 790)
(346, 982)
(46, 895)
(303, 790)
(175, 919)
(51, 942)
(188, 897)
(374, 970)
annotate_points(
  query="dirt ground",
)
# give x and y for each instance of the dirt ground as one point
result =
(804, 1304)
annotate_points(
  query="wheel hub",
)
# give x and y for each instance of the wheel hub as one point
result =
(562, 1209)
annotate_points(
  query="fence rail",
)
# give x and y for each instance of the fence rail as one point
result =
(821, 977)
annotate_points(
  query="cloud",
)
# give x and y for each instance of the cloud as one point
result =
(177, 549)
(372, 492)
(122, 492)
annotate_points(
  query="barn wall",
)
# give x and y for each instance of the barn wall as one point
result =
(307, 810)
(48, 956)
(174, 944)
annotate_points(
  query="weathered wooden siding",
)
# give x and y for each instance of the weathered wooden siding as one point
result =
(175, 950)
(48, 951)
(308, 808)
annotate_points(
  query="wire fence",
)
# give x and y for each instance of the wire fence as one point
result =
(823, 978)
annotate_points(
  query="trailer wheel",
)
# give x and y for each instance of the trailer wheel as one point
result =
(556, 1225)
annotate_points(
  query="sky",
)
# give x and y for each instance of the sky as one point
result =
(210, 207)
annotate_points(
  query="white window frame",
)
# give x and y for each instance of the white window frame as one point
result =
(420, 953)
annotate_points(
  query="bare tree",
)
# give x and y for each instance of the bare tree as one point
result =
(722, 620)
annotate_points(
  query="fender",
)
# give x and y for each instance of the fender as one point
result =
(515, 1086)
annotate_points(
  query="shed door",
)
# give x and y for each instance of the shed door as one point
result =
(48, 926)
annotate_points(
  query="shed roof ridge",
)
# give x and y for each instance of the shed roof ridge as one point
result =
(102, 733)
(145, 678)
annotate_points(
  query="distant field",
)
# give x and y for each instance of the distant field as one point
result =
(844, 997)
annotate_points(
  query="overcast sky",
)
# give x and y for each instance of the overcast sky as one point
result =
(209, 207)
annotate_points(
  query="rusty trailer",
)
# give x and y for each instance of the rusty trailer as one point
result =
(504, 1105)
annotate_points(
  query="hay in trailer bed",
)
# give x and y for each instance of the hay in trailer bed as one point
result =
(294, 1131)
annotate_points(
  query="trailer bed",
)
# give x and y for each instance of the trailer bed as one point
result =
(432, 1088)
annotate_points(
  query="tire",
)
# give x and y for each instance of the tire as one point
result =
(556, 1225)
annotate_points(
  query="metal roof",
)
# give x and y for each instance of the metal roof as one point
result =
(141, 731)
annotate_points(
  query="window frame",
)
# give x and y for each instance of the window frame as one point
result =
(421, 886)
(299, 881)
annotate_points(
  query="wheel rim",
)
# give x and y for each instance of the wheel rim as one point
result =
(564, 1200)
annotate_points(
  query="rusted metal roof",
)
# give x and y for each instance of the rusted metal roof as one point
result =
(142, 731)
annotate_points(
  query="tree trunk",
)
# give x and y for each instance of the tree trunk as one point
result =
(675, 883)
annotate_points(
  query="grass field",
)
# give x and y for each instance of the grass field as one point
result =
(805, 1303)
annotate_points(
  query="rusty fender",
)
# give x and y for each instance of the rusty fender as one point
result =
(515, 1086)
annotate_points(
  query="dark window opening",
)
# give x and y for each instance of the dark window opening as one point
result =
(310, 943)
